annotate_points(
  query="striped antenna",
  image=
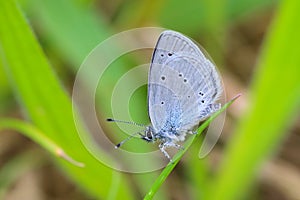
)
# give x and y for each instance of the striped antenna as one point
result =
(126, 122)
(128, 138)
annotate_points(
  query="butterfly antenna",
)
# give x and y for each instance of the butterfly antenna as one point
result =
(128, 138)
(126, 122)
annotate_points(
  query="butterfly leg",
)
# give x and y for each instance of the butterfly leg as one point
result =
(162, 147)
(165, 145)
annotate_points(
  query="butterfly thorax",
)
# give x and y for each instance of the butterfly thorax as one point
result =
(171, 134)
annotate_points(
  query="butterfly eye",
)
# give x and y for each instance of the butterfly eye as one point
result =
(149, 136)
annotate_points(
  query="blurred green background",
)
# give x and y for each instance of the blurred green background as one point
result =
(255, 45)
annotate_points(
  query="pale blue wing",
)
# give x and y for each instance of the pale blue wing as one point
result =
(183, 84)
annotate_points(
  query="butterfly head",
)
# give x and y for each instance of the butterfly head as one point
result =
(149, 135)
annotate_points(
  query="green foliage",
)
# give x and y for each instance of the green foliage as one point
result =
(69, 30)
(275, 98)
(35, 84)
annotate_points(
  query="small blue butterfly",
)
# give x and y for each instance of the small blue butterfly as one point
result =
(183, 89)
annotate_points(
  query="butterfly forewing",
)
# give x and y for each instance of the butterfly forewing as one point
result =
(183, 83)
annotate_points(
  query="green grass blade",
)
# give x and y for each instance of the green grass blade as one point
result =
(72, 29)
(46, 104)
(168, 169)
(39, 137)
(5, 94)
(274, 103)
(50, 9)
(47, 16)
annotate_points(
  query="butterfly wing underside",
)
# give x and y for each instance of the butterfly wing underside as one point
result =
(183, 84)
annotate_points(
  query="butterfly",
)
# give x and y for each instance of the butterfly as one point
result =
(183, 90)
